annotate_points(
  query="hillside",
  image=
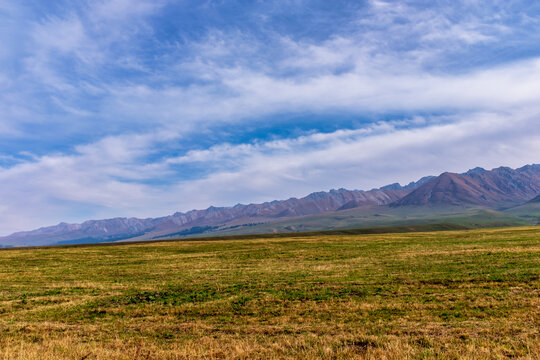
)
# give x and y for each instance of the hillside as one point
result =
(499, 188)
(529, 211)
(446, 189)
(376, 217)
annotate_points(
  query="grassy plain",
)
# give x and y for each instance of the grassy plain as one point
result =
(446, 295)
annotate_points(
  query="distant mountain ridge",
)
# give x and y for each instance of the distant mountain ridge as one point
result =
(119, 228)
(499, 188)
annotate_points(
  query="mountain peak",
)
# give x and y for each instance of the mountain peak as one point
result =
(411, 185)
(476, 170)
(394, 186)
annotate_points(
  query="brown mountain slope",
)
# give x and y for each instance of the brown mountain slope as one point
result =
(446, 189)
(499, 188)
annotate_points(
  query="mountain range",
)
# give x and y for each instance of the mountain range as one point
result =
(492, 193)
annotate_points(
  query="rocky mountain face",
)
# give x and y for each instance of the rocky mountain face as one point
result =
(498, 188)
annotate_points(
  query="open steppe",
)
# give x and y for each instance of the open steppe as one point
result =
(466, 294)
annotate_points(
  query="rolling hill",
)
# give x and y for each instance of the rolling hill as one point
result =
(530, 211)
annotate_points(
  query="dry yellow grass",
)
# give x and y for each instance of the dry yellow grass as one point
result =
(446, 295)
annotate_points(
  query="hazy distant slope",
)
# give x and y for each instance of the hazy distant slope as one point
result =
(89, 231)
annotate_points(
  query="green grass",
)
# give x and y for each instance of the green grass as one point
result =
(448, 295)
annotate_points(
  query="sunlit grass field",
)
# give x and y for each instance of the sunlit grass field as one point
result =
(446, 295)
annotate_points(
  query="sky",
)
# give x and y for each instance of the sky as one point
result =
(120, 108)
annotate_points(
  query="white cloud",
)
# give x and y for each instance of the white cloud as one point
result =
(244, 94)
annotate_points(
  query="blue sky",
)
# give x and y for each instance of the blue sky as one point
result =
(143, 108)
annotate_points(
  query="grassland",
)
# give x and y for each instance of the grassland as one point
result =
(446, 295)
